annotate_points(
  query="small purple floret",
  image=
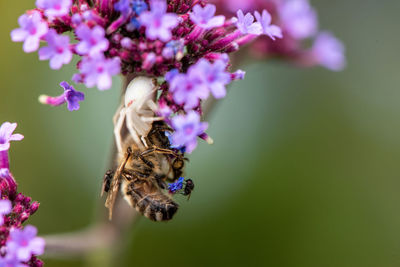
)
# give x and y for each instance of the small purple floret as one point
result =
(329, 52)
(6, 135)
(299, 18)
(246, 24)
(187, 129)
(53, 8)
(24, 243)
(158, 23)
(98, 71)
(188, 88)
(5, 208)
(32, 28)
(124, 7)
(265, 21)
(214, 76)
(204, 17)
(70, 96)
(57, 51)
(93, 40)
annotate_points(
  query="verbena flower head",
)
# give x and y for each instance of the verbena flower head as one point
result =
(143, 38)
(19, 245)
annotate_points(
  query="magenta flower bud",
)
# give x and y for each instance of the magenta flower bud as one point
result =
(18, 208)
(34, 207)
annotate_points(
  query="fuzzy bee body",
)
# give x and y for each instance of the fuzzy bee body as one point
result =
(142, 175)
(148, 200)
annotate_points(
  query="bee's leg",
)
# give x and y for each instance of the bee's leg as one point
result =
(107, 181)
(119, 121)
(159, 150)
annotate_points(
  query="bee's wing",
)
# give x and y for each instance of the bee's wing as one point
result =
(114, 187)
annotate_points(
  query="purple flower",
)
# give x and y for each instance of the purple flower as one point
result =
(329, 52)
(57, 51)
(214, 76)
(24, 243)
(6, 135)
(158, 23)
(53, 8)
(178, 185)
(70, 96)
(32, 28)
(124, 7)
(298, 18)
(10, 260)
(93, 40)
(246, 24)
(99, 71)
(265, 21)
(187, 128)
(188, 89)
(204, 17)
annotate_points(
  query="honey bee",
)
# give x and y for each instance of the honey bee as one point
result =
(145, 157)
(142, 174)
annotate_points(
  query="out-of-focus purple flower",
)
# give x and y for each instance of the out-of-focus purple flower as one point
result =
(32, 28)
(70, 96)
(214, 76)
(93, 40)
(57, 51)
(139, 6)
(187, 128)
(124, 7)
(178, 185)
(265, 21)
(246, 24)
(54, 8)
(158, 23)
(188, 89)
(238, 75)
(24, 243)
(99, 70)
(10, 260)
(329, 52)
(235, 5)
(6, 135)
(298, 18)
(5, 208)
(204, 17)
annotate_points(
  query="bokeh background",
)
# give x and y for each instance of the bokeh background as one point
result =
(304, 170)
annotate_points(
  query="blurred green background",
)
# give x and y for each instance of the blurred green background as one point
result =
(304, 170)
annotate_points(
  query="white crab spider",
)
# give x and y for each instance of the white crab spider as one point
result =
(137, 111)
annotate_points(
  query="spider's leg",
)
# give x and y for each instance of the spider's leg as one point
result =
(130, 124)
(118, 127)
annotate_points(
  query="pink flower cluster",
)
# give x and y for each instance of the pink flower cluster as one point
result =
(19, 245)
(299, 22)
(180, 42)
